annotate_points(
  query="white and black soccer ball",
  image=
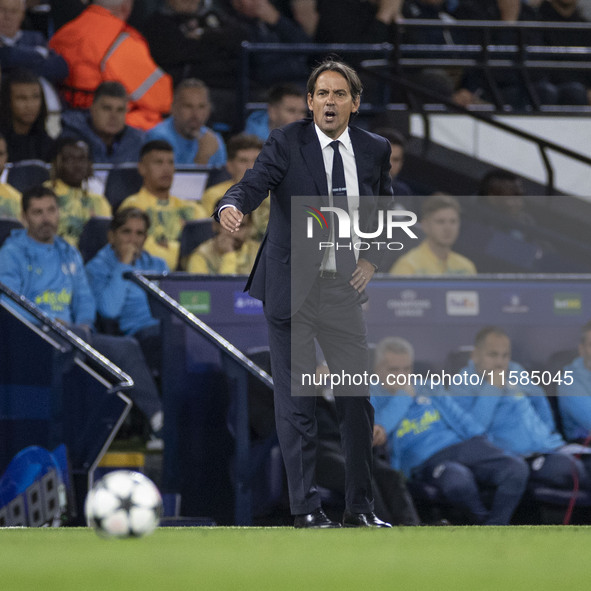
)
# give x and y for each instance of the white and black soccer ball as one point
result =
(123, 504)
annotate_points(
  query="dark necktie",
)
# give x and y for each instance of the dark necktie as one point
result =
(344, 256)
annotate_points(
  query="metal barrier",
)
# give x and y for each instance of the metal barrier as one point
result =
(56, 389)
(236, 367)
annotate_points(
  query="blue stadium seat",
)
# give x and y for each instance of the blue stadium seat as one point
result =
(122, 181)
(27, 173)
(93, 236)
(194, 233)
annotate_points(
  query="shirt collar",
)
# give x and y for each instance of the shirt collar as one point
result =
(326, 141)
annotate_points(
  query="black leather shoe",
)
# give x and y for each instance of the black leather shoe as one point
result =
(317, 520)
(362, 520)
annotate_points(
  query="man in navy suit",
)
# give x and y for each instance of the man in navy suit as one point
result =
(312, 291)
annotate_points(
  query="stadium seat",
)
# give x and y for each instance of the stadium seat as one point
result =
(458, 358)
(194, 233)
(7, 225)
(93, 236)
(122, 181)
(27, 173)
(217, 175)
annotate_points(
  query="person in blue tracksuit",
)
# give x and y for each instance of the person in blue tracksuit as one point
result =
(574, 391)
(516, 413)
(49, 272)
(435, 442)
(118, 298)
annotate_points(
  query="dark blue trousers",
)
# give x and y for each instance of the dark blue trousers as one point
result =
(332, 317)
(458, 471)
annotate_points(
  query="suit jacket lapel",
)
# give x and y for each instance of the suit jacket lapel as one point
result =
(312, 155)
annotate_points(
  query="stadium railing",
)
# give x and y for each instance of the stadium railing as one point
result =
(56, 389)
(237, 368)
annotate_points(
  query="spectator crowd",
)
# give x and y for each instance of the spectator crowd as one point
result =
(153, 90)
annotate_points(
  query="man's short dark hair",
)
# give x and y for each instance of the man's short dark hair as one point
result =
(438, 201)
(36, 192)
(485, 332)
(112, 89)
(243, 141)
(154, 145)
(279, 91)
(347, 72)
(121, 216)
(393, 136)
(189, 83)
(492, 177)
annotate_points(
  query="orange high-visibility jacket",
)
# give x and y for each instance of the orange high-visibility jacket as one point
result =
(98, 46)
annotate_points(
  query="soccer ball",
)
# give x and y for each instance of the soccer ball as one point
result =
(123, 504)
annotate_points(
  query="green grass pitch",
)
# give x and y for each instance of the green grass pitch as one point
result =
(409, 559)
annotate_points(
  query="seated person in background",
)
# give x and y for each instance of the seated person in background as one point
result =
(99, 45)
(26, 49)
(185, 129)
(518, 418)
(391, 497)
(564, 86)
(190, 38)
(502, 193)
(286, 103)
(433, 441)
(103, 127)
(403, 197)
(501, 204)
(36, 263)
(242, 152)
(226, 253)
(365, 22)
(70, 171)
(440, 222)
(508, 81)
(118, 298)
(10, 198)
(574, 399)
(23, 116)
(265, 24)
(167, 213)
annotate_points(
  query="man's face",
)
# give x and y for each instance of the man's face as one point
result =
(493, 355)
(108, 114)
(74, 164)
(442, 227)
(585, 349)
(41, 219)
(512, 205)
(3, 154)
(289, 109)
(394, 364)
(332, 103)
(191, 110)
(243, 160)
(12, 14)
(184, 6)
(132, 233)
(157, 170)
(25, 102)
(396, 160)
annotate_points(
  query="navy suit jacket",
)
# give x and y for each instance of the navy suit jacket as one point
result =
(291, 167)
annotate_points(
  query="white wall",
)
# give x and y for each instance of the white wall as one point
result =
(499, 148)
